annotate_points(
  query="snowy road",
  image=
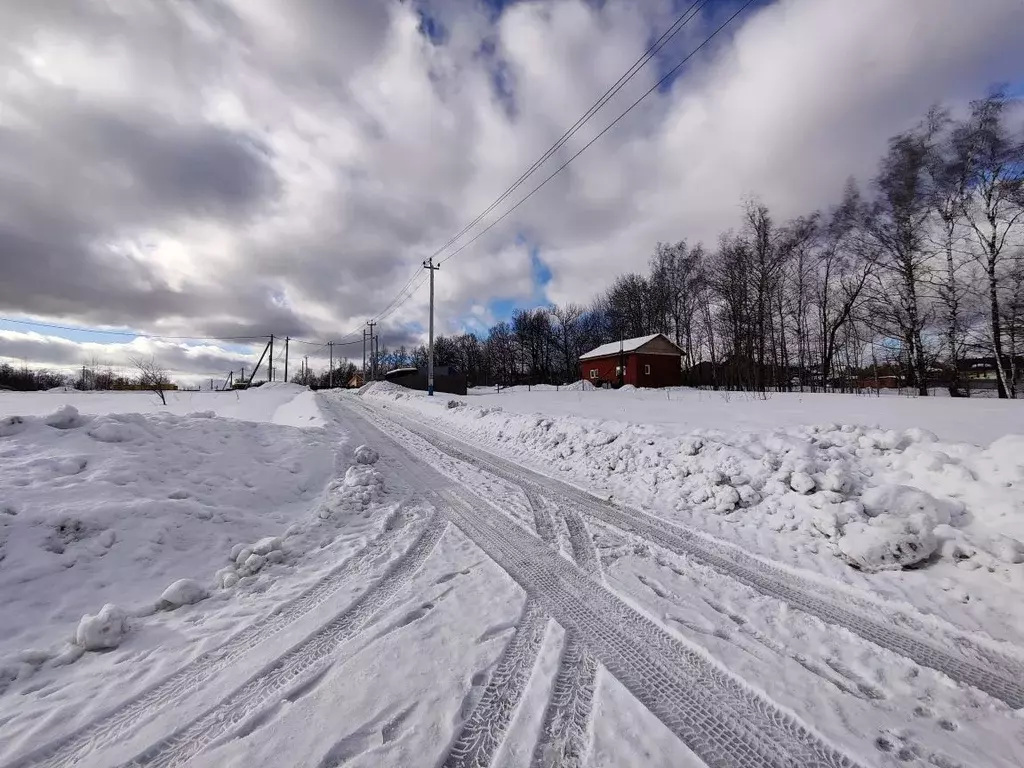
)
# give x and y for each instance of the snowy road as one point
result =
(504, 618)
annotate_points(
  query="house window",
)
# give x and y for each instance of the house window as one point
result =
(647, 370)
(593, 373)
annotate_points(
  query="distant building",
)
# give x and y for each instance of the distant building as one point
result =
(647, 361)
(446, 379)
(356, 381)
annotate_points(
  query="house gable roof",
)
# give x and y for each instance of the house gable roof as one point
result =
(625, 346)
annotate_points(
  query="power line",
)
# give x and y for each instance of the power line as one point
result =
(630, 73)
(33, 323)
(688, 15)
(405, 293)
(590, 143)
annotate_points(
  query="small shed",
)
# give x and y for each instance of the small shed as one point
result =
(646, 361)
(446, 379)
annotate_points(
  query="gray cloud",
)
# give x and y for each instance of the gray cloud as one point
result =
(236, 168)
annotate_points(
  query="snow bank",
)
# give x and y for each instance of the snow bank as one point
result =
(579, 386)
(278, 403)
(347, 503)
(113, 508)
(876, 497)
(681, 410)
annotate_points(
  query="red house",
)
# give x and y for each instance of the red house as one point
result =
(647, 361)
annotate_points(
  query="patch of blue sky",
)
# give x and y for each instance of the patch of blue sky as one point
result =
(709, 16)
(501, 308)
(1015, 89)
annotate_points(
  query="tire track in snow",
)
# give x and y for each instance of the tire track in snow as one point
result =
(116, 725)
(724, 722)
(565, 730)
(485, 729)
(971, 663)
(305, 660)
(565, 733)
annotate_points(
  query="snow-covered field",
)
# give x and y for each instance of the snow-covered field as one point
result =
(527, 578)
(978, 420)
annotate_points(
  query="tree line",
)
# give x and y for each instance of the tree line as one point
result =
(910, 280)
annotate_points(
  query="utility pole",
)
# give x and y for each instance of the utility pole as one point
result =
(330, 373)
(373, 357)
(364, 357)
(270, 360)
(429, 264)
(286, 340)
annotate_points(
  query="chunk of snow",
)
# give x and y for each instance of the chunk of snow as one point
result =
(887, 542)
(579, 386)
(276, 556)
(903, 501)
(361, 475)
(105, 430)
(103, 630)
(254, 562)
(801, 482)
(243, 554)
(64, 418)
(183, 592)
(266, 545)
(226, 577)
(364, 454)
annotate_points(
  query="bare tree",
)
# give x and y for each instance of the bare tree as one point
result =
(898, 224)
(992, 157)
(151, 376)
(567, 330)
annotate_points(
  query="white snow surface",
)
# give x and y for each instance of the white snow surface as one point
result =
(277, 403)
(859, 487)
(681, 410)
(281, 573)
(99, 507)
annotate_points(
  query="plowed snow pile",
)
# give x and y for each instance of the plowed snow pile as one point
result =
(878, 499)
(138, 510)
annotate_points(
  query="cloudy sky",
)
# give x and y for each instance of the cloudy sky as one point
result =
(235, 168)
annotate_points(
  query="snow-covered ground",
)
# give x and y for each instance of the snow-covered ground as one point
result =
(99, 508)
(274, 403)
(978, 420)
(882, 494)
(528, 578)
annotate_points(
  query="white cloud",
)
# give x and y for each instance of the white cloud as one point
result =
(355, 146)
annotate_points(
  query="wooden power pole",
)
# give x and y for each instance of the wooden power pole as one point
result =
(429, 264)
